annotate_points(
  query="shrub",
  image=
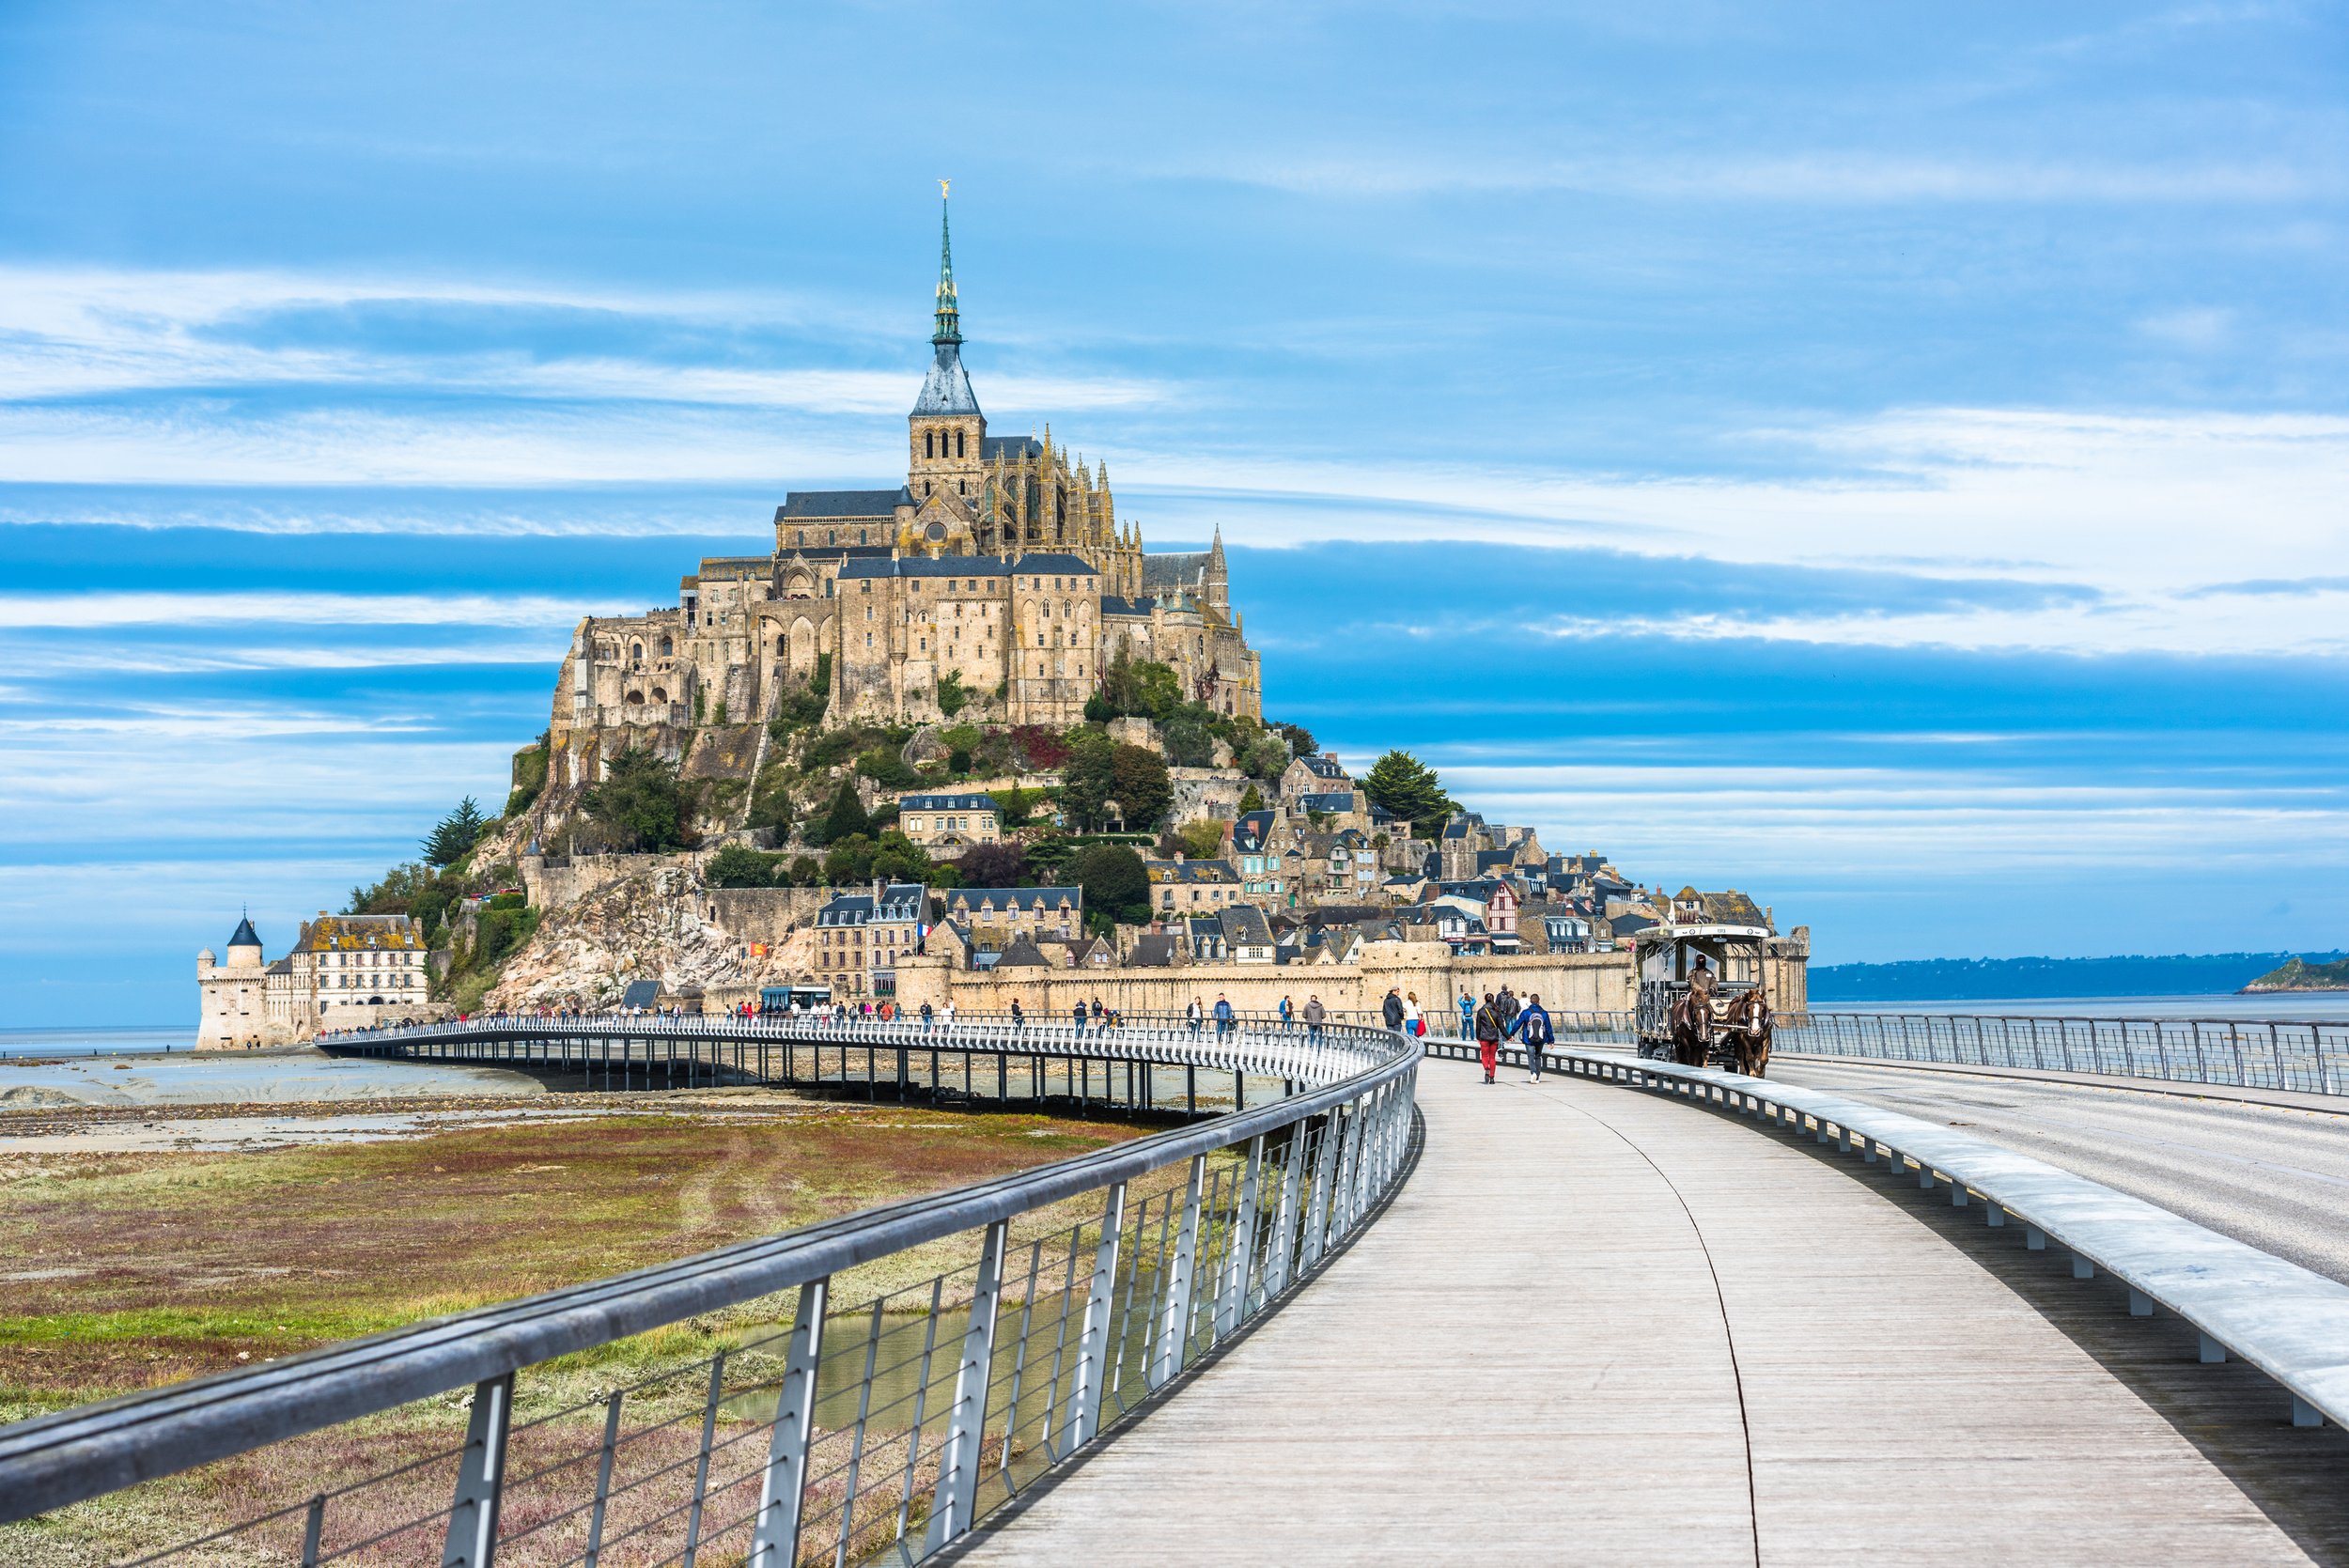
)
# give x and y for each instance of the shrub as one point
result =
(737, 867)
(641, 804)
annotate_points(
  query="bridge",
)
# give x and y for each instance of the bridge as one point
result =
(1353, 1304)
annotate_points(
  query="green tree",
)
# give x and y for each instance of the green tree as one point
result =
(1116, 887)
(1301, 740)
(1003, 864)
(1202, 838)
(845, 818)
(804, 871)
(1251, 798)
(530, 776)
(771, 801)
(736, 867)
(1401, 784)
(849, 860)
(1138, 783)
(899, 858)
(1265, 758)
(1188, 744)
(885, 766)
(453, 839)
(952, 696)
(1089, 778)
(641, 803)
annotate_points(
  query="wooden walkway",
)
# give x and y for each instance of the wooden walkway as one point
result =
(1599, 1326)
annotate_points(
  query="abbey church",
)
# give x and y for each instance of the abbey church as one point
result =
(998, 569)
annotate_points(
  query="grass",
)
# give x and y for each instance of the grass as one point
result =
(126, 1271)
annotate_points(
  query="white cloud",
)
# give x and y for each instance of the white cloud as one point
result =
(2201, 328)
(85, 611)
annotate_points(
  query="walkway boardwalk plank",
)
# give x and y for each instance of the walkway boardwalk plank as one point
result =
(1554, 1346)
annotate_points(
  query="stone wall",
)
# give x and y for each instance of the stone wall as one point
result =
(763, 914)
(557, 881)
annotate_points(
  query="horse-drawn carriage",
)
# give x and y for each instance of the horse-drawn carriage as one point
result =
(1702, 997)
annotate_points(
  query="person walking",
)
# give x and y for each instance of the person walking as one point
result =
(1076, 1015)
(1534, 1031)
(1412, 1024)
(1192, 1015)
(1507, 1002)
(929, 1023)
(1314, 1012)
(1485, 1024)
(1286, 1012)
(1018, 1018)
(1392, 1010)
(950, 1012)
(1222, 1018)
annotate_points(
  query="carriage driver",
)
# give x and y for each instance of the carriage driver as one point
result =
(1700, 978)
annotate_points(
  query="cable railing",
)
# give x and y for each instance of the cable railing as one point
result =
(857, 1390)
(2307, 1055)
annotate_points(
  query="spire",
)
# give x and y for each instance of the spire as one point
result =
(949, 310)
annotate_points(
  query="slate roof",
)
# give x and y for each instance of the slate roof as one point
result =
(1175, 570)
(947, 802)
(1021, 898)
(1010, 446)
(1335, 802)
(1152, 951)
(1022, 954)
(1251, 832)
(1245, 923)
(1322, 768)
(243, 935)
(1189, 871)
(640, 993)
(947, 387)
(1054, 561)
(878, 563)
(1113, 605)
(842, 504)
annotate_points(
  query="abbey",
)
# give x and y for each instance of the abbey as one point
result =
(997, 569)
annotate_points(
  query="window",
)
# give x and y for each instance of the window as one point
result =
(927, 452)
(957, 443)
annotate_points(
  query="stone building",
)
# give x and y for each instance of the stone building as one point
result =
(999, 570)
(345, 971)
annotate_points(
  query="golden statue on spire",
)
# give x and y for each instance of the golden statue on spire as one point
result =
(942, 187)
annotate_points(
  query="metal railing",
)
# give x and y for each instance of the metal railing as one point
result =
(2310, 1056)
(2287, 1321)
(849, 1400)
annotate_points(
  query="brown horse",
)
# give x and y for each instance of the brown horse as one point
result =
(1692, 1029)
(1748, 1032)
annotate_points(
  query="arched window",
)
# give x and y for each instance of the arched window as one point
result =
(660, 695)
(668, 647)
(636, 653)
(957, 443)
(782, 645)
(927, 450)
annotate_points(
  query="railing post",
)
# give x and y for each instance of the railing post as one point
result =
(1086, 1382)
(603, 1479)
(701, 1467)
(1239, 1255)
(473, 1514)
(957, 1489)
(1174, 1328)
(1283, 1250)
(1317, 1212)
(775, 1536)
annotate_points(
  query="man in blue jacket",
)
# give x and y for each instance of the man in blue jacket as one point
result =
(1223, 1018)
(1531, 1028)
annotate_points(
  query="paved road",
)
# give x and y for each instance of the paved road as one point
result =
(2275, 1176)
(1604, 1327)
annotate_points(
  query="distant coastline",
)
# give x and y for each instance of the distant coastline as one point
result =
(2302, 974)
(2129, 975)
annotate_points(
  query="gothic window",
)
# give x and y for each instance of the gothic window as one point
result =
(667, 647)
(957, 443)
(926, 451)
(636, 653)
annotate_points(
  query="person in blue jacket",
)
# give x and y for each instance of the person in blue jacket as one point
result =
(1531, 1028)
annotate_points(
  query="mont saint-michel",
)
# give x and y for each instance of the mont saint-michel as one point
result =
(999, 570)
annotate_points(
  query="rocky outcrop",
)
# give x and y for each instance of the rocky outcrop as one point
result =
(647, 926)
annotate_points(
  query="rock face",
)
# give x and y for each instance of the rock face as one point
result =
(649, 926)
(2297, 974)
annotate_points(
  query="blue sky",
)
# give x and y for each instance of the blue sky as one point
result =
(1891, 461)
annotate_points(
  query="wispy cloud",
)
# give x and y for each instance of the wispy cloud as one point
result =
(83, 611)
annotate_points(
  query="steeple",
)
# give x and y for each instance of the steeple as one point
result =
(949, 310)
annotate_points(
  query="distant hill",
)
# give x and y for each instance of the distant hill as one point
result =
(2018, 979)
(2300, 975)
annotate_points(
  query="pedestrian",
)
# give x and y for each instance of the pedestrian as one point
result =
(1018, 1019)
(1485, 1024)
(1413, 1024)
(1097, 1011)
(1314, 1012)
(1391, 1009)
(1287, 1014)
(1535, 1031)
(1507, 1001)
(1223, 1018)
(1078, 1015)
(1467, 1016)
(927, 1021)
(950, 1012)
(1192, 1015)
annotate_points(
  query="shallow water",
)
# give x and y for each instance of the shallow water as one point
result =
(271, 1080)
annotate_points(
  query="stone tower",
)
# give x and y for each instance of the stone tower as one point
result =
(947, 427)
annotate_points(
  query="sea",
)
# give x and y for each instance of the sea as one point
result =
(104, 1040)
(2266, 1007)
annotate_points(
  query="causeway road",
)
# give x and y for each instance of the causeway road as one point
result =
(2274, 1175)
(1599, 1325)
